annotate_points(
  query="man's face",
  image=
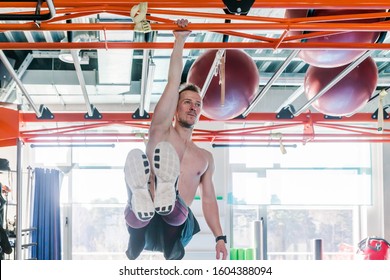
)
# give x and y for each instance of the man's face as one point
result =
(188, 108)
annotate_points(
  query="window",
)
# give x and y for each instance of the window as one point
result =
(99, 197)
(312, 192)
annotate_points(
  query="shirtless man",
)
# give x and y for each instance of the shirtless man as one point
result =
(162, 184)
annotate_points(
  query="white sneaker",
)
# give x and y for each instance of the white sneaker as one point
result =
(166, 166)
(137, 172)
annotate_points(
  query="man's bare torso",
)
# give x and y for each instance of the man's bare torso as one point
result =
(194, 161)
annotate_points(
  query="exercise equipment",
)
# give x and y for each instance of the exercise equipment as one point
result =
(347, 96)
(374, 248)
(334, 58)
(232, 88)
(242, 254)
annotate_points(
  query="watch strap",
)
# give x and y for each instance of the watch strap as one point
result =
(221, 237)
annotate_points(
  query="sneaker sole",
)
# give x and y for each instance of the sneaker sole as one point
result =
(137, 172)
(166, 166)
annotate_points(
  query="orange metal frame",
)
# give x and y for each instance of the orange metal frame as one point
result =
(66, 131)
(357, 128)
(72, 127)
(66, 10)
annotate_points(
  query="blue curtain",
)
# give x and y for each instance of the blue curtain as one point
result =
(46, 215)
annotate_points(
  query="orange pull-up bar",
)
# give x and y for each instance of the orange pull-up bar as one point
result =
(290, 4)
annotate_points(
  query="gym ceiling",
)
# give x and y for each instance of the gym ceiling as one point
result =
(107, 91)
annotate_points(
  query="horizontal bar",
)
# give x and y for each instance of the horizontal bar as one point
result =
(72, 145)
(126, 117)
(28, 229)
(192, 45)
(29, 245)
(350, 4)
(252, 146)
(303, 139)
(340, 26)
(211, 134)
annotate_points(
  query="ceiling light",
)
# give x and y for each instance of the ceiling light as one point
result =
(66, 55)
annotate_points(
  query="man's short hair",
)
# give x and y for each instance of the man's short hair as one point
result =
(189, 86)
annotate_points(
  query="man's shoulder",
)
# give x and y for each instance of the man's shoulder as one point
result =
(204, 151)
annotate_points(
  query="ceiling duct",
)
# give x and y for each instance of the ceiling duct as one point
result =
(78, 36)
(37, 16)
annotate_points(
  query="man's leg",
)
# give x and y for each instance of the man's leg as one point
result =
(173, 228)
(136, 242)
(168, 204)
(137, 172)
(140, 209)
(177, 237)
(132, 219)
(166, 166)
(178, 215)
(173, 248)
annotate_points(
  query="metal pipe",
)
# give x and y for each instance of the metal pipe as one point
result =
(291, 98)
(115, 117)
(207, 140)
(276, 75)
(317, 249)
(189, 45)
(28, 17)
(149, 84)
(29, 209)
(259, 238)
(211, 73)
(72, 146)
(343, 73)
(22, 69)
(251, 146)
(239, 139)
(340, 27)
(19, 200)
(328, 18)
(308, 4)
(12, 72)
(80, 76)
(144, 78)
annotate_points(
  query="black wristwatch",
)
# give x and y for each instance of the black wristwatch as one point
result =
(221, 237)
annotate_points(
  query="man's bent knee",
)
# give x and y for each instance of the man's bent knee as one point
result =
(178, 216)
(132, 220)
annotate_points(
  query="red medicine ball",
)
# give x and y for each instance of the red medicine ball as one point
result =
(347, 96)
(241, 83)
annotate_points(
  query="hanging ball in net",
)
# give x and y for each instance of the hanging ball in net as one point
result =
(241, 83)
(347, 96)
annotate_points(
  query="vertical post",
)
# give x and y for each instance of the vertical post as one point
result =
(258, 227)
(19, 202)
(27, 212)
(317, 249)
